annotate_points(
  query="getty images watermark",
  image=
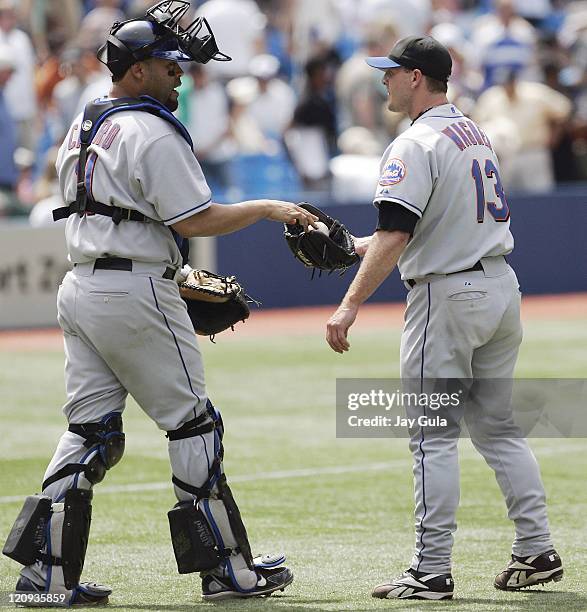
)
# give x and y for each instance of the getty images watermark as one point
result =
(382, 408)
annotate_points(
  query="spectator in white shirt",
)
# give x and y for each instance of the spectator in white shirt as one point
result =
(208, 122)
(20, 90)
(502, 40)
(537, 113)
(275, 101)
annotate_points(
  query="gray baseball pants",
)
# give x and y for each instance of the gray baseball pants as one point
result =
(467, 326)
(125, 332)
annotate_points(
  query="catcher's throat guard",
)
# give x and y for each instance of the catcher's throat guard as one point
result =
(330, 249)
(196, 39)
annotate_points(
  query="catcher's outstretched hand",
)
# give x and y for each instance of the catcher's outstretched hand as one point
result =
(287, 212)
(338, 326)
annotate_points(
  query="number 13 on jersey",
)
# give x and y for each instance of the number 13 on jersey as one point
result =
(499, 210)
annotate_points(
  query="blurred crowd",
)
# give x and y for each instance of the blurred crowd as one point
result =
(298, 109)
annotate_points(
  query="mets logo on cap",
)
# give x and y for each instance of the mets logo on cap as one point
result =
(393, 173)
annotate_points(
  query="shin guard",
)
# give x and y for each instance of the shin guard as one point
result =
(28, 534)
(55, 533)
(209, 534)
(193, 542)
(237, 527)
(239, 567)
(75, 534)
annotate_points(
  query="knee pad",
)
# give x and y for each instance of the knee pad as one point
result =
(105, 441)
(210, 533)
(110, 441)
(32, 534)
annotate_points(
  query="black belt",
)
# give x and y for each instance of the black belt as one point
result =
(120, 263)
(478, 267)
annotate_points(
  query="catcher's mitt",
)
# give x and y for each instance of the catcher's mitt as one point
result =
(328, 247)
(214, 302)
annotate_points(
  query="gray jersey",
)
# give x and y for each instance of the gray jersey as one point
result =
(444, 169)
(137, 161)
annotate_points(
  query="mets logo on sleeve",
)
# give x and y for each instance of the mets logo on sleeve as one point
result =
(394, 172)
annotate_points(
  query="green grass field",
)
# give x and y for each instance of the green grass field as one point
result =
(340, 509)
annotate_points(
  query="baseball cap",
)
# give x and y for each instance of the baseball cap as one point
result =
(422, 52)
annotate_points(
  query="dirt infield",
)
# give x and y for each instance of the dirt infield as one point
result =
(300, 321)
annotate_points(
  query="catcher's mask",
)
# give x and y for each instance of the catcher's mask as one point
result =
(158, 34)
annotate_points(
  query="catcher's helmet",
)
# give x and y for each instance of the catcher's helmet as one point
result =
(158, 34)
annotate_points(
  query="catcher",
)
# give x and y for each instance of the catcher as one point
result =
(140, 194)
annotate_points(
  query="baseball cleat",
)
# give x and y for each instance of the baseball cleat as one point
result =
(86, 594)
(523, 572)
(417, 585)
(270, 580)
(268, 560)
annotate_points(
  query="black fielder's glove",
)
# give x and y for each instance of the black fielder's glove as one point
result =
(214, 302)
(328, 247)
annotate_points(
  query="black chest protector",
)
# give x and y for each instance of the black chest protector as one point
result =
(95, 114)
